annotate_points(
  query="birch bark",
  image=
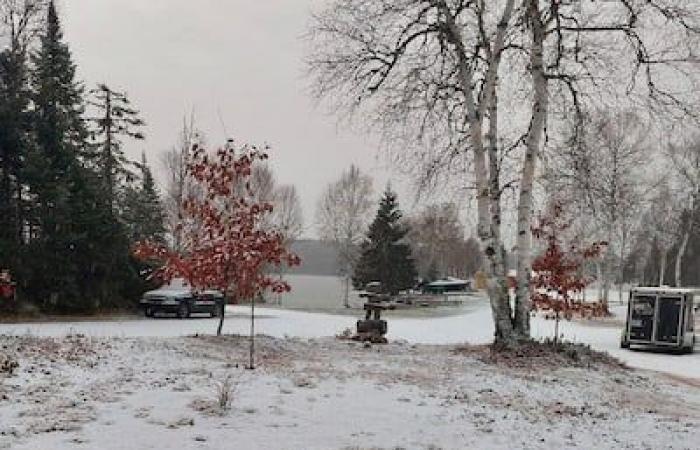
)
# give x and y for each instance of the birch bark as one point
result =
(488, 188)
(534, 139)
(679, 257)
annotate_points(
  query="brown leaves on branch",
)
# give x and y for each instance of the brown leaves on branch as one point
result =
(225, 246)
(557, 271)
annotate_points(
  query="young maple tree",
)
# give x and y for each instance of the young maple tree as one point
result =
(557, 271)
(225, 245)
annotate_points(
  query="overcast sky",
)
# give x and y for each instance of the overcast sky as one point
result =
(241, 60)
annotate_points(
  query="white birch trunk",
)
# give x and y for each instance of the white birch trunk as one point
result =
(679, 258)
(606, 280)
(346, 289)
(500, 302)
(662, 267)
(525, 202)
(498, 286)
(621, 267)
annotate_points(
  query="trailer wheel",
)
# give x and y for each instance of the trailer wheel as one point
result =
(624, 344)
(691, 348)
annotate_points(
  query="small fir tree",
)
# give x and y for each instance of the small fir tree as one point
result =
(143, 210)
(385, 257)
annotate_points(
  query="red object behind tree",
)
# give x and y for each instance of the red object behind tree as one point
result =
(557, 271)
(7, 286)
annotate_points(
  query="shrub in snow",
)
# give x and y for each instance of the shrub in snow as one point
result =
(557, 271)
(224, 394)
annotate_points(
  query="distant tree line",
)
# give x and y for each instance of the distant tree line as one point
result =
(639, 194)
(71, 203)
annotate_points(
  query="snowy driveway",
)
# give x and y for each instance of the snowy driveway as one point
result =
(474, 327)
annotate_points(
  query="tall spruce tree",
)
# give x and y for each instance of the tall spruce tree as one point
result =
(17, 27)
(115, 120)
(51, 166)
(78, 256)
(385, 257)
(143, 210)
(14, 140)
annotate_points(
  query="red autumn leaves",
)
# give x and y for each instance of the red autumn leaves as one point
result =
(226, 246)
(557, 271)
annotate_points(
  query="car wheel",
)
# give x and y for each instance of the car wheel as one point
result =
(148, 312)
(216, 311)
(183, 311)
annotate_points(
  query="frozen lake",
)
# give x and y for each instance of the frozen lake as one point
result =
(317, 293)
(314, 292)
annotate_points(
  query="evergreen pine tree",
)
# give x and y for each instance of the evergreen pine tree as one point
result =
(116, 119)
(59, 135)
(78, 257)
(386, 258)
(143, 211)
(154, 214)
(14, 141)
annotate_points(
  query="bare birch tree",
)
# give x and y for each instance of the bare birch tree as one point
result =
(19, 23)
(685, 161)
(287, 217)
(178, 186)
(601, 172)
(344, 211)
(664, 216)
(437, 239)
(428, 74)
(429, 68)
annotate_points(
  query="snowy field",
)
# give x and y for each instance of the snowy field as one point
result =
(473, 327)
(148, 384)
(161, 393)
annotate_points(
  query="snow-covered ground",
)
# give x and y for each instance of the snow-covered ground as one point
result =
(141, 384)
(160, 393)
(474, 327)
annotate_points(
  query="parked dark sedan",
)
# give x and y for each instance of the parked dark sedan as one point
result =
(181, 301)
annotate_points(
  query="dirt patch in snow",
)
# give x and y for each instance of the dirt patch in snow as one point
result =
(541, 355)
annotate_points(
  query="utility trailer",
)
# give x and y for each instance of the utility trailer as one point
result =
(661, 318)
